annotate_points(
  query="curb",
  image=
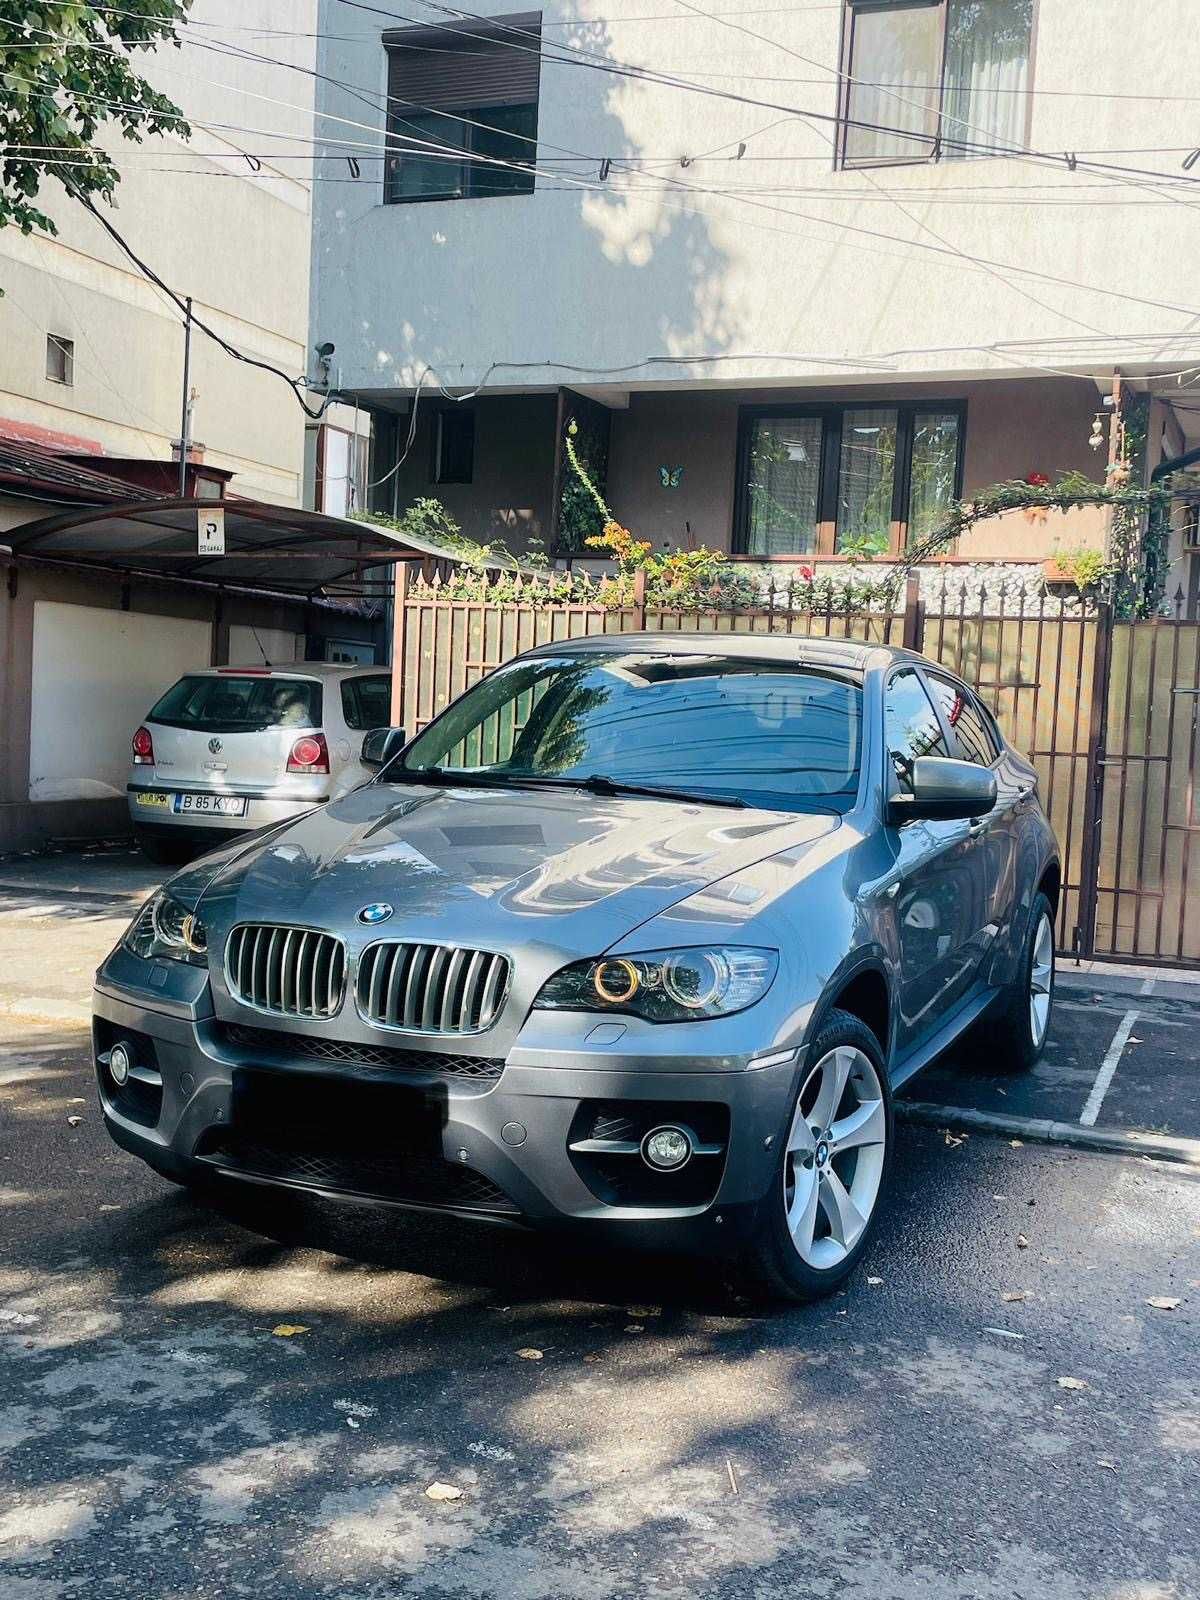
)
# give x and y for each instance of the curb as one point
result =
(28, 1009)
(1117, 1141)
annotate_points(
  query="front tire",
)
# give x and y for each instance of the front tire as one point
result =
(831, 1174)
(1017, 1036)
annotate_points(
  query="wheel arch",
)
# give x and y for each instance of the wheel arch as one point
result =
(1050, 884)
(864, 992)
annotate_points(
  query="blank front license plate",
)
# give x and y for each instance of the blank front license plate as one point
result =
(213, 805)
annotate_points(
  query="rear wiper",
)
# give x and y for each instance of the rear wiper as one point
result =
(597, 783)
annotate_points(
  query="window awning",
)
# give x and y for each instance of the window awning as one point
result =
(270, 549)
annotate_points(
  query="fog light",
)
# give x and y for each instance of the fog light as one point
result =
(666, 1148)
(119, 1063)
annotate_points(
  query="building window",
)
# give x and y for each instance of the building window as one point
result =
(932, 78)
(824, 480)
(453, 446)
(463, 109)
(60, 358)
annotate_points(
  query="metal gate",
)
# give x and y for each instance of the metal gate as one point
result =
(1108, 712)
(1147, 907)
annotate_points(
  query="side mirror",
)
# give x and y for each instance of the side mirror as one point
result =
(944, 790)
(381, 744)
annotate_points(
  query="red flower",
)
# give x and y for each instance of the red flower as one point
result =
(807, 574)
(1037, 480)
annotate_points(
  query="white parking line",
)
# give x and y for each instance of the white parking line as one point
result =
(1107, 1067)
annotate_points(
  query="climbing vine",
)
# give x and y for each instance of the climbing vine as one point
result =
(1130, 575)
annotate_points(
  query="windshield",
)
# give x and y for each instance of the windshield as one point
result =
(235, 704)
(775, 735)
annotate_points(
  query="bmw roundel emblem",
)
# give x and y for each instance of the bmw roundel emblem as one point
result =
(379, 912)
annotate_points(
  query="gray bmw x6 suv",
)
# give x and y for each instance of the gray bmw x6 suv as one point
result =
(639, 935)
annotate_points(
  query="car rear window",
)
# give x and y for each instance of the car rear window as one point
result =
(233, 704)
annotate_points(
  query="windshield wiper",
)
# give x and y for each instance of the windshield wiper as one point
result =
(597, 783)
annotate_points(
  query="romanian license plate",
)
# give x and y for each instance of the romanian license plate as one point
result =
(213, 805)
(153, 797)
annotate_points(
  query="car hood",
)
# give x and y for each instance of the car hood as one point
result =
(495, 868)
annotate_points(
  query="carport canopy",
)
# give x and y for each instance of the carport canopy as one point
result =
(270, 549)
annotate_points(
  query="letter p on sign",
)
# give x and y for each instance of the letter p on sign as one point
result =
(211, 532)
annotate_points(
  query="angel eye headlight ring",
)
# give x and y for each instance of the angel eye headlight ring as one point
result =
(715, 980)
(616, 981)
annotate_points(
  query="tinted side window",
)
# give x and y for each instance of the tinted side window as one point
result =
(971, 732)
(367, 702)
(911, 725)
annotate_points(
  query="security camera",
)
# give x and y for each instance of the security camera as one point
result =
(325, 350)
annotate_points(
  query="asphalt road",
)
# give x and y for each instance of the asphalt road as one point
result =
(909, 1438)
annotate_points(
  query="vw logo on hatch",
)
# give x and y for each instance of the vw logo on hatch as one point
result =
(215, 746)
(379, 912)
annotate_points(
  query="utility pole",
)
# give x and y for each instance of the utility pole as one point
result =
(187, 405)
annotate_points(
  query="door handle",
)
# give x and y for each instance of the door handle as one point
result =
(979, 826)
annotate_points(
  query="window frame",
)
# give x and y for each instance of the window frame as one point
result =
(352, 698)
(471, 164)
(65, 346)
(934, 675)
(832, 414)
(463, 96)
(892, 782)
(846, 78)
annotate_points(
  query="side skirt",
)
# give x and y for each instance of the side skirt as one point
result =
(928, 1049)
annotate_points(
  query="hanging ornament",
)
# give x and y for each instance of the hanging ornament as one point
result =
(1097, 439)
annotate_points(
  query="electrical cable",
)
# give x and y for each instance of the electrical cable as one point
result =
(983, 263)
(295, 384)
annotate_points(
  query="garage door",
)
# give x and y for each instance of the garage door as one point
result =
(95, 675)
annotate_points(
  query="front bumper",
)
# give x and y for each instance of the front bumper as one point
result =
(506, 1150)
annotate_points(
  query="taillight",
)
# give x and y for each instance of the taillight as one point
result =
(309, 754)
(143, 748)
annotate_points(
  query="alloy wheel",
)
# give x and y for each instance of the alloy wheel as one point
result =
(834, 1161)
(1041, 981)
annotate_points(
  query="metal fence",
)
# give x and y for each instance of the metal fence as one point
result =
(1106, 711)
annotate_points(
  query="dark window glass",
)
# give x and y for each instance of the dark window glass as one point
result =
(784, 486)
(367, 702)
(454, 446)
(866, 479)
(232, 704)
(936, 442)
(779, 736)
(498, 151)
(60, 358)
(971, 732)
(911, 725)
(792, 495)
(946, 77)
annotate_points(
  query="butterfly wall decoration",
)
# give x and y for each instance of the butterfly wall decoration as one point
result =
(671, 476)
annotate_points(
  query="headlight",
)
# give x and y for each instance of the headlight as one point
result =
(164, 929)
(665, 985)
